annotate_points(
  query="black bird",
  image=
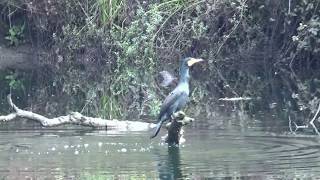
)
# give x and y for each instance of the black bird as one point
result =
(178, 98)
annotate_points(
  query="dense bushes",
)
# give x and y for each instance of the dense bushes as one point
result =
(104, 55)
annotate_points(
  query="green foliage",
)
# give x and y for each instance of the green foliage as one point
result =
(14, 83)
(15, 35)
(109, 10)
(18, 84)
(154, 107)
(110, 107)
(308, 36)
(308, 30)
(136, 61)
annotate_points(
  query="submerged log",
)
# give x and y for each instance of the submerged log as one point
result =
(174, 136)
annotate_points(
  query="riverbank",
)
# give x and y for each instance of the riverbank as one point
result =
(103, 59)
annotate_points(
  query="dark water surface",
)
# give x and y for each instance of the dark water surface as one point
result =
(228, 150)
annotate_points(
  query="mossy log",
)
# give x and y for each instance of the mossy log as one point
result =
(174, 136)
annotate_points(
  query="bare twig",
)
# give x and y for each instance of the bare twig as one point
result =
(311, 122)
(314, 118)
(289, 7)
(300, 127)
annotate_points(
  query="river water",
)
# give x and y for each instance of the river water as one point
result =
(222, 148)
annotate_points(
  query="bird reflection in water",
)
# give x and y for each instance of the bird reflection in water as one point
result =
(170, 167)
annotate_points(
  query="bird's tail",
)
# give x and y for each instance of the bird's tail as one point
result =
(157, 129)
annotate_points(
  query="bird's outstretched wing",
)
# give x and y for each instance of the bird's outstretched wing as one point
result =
(167, 78)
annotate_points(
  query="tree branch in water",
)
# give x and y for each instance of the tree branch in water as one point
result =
(174, 136)
(77, 119)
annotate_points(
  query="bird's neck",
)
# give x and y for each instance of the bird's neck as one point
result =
(184, 75)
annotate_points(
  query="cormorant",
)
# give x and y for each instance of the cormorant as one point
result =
(178, 98)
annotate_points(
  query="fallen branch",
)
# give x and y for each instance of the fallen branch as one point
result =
(314, 118)
(311, 122)
(174, 136)
(75, 118)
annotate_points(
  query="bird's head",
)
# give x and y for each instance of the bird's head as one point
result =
(185, 64)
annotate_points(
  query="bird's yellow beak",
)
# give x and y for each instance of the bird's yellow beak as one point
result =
(192, 61)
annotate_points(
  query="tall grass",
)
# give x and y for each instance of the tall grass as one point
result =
(109, 10)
